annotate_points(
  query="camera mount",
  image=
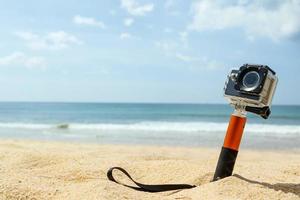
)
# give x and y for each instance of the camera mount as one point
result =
(264, 112)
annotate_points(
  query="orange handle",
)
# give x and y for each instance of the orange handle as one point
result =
(234, 132)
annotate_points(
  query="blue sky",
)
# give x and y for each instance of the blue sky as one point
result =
(144, 51)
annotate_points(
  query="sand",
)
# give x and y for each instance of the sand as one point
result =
(58, 170)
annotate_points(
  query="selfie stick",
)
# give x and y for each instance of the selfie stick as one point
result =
(231, 144)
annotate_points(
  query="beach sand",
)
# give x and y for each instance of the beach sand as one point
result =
(60, 170)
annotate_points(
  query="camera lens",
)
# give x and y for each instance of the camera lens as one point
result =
(251, 80)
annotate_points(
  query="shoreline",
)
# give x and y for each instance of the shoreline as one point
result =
(72, 170)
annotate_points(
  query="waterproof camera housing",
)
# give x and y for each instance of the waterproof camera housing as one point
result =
(251, 87)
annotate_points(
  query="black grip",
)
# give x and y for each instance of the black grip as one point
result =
(225, 163)
(264, 112)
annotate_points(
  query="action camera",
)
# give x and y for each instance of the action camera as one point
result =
(252, 87)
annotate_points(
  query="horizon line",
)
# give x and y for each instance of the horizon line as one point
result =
(132, 102)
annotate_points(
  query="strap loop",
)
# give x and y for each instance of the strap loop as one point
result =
(143, 187)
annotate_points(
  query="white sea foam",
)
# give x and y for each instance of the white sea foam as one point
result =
(196, 127)
(25, 126)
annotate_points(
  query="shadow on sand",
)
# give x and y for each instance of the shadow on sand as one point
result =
(284, 187)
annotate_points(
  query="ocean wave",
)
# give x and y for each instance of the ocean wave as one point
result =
(158, 127)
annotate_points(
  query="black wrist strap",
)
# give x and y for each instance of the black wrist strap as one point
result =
(146, 188)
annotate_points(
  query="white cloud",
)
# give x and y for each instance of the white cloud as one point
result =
(89, 21)
(171, 7)
(168, 47)
(50, 41)
(19, 58)
(168, 30)
(150, 26)
(112, 12)
(169, 3)
(184, 38)
(128, 21)
(198, 62)
(185, 58)
(124, 36)
(171, 49)
(134, 8)
(256, 18)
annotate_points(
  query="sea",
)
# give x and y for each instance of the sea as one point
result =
(192, 125)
